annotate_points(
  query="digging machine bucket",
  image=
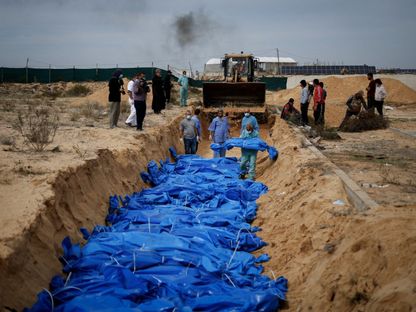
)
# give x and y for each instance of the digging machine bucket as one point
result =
(222, 94)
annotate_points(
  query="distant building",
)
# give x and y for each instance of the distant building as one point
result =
(213, 68)
(266, 65)
(270, 64)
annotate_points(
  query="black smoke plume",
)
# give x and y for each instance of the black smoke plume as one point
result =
(192, 27)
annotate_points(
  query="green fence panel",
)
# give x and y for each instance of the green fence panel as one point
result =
(46, 75)
(274, 83)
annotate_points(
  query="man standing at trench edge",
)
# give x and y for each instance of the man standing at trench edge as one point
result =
(140, 90)
(189, 133)
(115, 88)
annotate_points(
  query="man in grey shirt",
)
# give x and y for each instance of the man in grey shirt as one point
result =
(189, 133)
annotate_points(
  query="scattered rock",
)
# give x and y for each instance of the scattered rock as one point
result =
(329, 248)
(56, 149)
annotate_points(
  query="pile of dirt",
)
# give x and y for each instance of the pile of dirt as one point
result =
(335, 258)
(339, 89)
(365, 122)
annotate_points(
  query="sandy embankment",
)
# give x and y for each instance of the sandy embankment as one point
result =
(74, 196)
(335, 258)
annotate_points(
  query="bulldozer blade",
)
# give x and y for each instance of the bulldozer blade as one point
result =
(223, 94)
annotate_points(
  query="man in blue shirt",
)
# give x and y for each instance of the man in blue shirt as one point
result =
(248, 157)
(249, 118)
(183, 82)
(197, 125)
(219, 131)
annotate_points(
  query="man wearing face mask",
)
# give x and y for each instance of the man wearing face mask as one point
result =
(249, 119)
(248, 157)
(189, 133)
(219, 131)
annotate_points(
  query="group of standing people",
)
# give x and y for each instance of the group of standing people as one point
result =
(315, 91)
(219, 131)
(137, 89)
(309, 91)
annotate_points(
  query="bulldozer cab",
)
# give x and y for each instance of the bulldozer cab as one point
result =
(238, 88)
(239, 67)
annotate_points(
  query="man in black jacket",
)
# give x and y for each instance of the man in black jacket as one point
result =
(115, 87)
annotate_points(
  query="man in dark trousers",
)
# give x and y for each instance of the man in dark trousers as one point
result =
(318, 103)
(140, 90)
(115, 88)
(371, 92)
(167, 84)
(304, 102)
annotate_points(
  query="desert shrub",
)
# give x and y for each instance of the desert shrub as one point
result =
(38, 125)
(91, 110)
(78, 90)
(365, 122)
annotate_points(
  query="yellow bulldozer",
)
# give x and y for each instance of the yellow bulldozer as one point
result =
(238, 91)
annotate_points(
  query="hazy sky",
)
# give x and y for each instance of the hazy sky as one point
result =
(178, 32)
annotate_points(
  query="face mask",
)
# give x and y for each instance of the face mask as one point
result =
(188, 117)
(246, 114)
(249, 131)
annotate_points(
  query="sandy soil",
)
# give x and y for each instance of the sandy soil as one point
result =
(336, 259)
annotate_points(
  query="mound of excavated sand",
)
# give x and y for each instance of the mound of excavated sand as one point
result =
(335, 258)
(339, 89)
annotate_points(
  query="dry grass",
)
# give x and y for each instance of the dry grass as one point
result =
(78, 90)
(74, 114)
(8, 106)
(91, 110)
(81, 153)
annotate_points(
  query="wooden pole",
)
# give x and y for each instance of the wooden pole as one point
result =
(27, 70)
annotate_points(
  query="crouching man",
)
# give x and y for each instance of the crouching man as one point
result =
(248, 157)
